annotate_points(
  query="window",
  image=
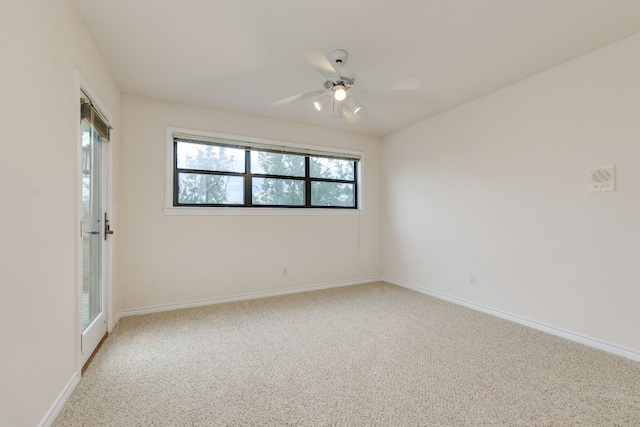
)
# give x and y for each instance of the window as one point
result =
(220, 172)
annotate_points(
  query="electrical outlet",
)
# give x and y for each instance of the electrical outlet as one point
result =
(285, 271)
(472, 280)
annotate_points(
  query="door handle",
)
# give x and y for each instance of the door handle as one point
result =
(107, 227)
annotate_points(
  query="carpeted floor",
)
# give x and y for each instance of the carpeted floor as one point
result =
(365, 355)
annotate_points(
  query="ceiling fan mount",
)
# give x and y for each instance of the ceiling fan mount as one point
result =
(339, 55)
(347, 77)
(339, 80)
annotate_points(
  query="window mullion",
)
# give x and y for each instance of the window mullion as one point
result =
(307, 182)
(338, 181)
(247, 180)
(176, 188)
(355, 185)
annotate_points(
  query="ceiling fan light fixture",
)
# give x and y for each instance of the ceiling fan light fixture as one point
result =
(353, 106)
(337, 110)
(321, 102)
(338, 81)
(339, 93)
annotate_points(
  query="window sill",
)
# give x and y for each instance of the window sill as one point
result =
(171, 211)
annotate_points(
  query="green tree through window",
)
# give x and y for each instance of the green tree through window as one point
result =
(209, 189)
(210, 174)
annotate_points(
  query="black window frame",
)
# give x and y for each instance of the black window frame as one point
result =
(248, 175)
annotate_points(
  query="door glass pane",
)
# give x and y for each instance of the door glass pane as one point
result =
(282, 192)
(201, 189)
(92, 226)
(332, 194)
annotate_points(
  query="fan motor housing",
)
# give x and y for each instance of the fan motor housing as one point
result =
(339, 56)
(347, 75)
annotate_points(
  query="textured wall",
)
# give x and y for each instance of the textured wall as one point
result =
(178, 259)
(497, 188)
(41, 45)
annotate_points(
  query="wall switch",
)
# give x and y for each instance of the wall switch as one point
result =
(472, 280)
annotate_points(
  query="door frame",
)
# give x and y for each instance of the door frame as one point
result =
(83, 88)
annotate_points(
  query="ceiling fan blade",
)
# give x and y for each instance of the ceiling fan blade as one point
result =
(350, 117)
(322, 64)
(406, 83)
(296, 98)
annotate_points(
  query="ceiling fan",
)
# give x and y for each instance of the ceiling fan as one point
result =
(339, 80)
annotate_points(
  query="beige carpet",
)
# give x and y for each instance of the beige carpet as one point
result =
(365, 355)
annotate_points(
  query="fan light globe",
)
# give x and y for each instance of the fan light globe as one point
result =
(340, 94)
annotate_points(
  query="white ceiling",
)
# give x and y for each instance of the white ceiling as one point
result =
(241, 55)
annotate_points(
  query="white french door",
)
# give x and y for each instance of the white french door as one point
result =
(94, 227)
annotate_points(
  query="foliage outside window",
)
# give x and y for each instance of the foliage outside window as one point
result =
(227, 174)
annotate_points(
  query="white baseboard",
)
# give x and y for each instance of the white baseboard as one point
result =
(239, 297)
(57, 406)
(589, 341)
(114, 322)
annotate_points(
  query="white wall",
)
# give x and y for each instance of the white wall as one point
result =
(41, 44)
(180, 259)
(497, 188)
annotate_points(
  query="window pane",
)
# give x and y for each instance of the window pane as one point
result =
(272, 191)
(332, 194)
(209, 158)
(323, 167)
(210, 189)
(277, 163)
